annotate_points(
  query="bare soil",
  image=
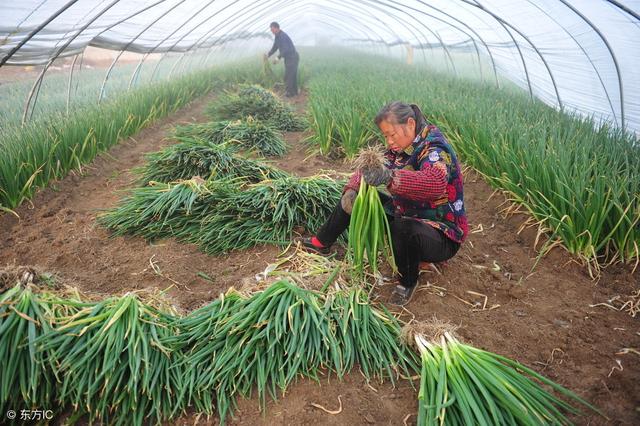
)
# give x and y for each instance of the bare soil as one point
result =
(541, 317)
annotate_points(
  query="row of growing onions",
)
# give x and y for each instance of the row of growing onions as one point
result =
(580, 181)
(44, 150)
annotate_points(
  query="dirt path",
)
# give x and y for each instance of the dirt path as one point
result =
(541, 318)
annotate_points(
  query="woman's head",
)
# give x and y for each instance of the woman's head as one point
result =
(397, 122)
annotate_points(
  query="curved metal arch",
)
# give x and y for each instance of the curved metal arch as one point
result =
(196, 45)
(486, 46)
(414, 29)
(444, 46)
(185, 22)
(460, 30)
(382, 7)
(586, 54)
(206, 20)
(38, 81)
(229, 20)
(613, 57)
(410, 26)
(371, 16)
(115, 24)
(515, 43)
(336, 15)
(192, 45)
(367, 35)
(115, 60)
(624, 8)
(479, 6)
(36, 31)
(73, 65)
(214, 32)
(254, 19)
(374, 32)
(333, 15)
(207, 36)
(329, 21)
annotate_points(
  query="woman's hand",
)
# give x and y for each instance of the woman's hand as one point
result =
(376, 176)
(347, 200)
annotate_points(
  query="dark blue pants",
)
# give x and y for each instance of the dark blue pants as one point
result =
(291, 74)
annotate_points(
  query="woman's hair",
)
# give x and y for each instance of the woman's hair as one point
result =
(395, 112)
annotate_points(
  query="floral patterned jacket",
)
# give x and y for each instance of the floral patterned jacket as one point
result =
(426, 183)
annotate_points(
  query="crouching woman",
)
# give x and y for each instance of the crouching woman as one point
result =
(425, 207)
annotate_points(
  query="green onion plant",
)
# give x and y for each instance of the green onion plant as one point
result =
(461, 385)
(249, 134)
(194, 156)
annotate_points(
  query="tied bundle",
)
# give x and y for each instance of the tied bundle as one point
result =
(463, 385)
(259, 103)
(249, 134)
(369, 230)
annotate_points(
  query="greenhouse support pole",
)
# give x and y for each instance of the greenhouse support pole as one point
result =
(524, 36)
(36, 31)
(586, 54)
(625, 8)
(60, 50)
(486, 46)
(446, 50)
(613, 56)
(115, 60)
(73, 65)
(195, 14)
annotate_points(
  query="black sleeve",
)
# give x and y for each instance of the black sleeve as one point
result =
(275, 46)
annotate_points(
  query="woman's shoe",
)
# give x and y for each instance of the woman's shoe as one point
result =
(402, 295)
(309, 244)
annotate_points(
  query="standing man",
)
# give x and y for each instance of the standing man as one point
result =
(284, 44)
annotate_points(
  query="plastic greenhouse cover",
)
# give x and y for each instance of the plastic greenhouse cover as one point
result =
(581, 55)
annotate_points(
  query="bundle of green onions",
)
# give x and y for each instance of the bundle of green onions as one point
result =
(268, 76)
(193, 156)
(162, 210)
(367, 336)
(112, 363)
(199, 341)
(249, 134)
(259, 103)
(462, 385)
(271, 337)
(26, 381)
(369, 230)
(267, 212)
(227, 214)
(265, 340)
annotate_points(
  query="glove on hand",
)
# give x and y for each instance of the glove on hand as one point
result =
(377, 176)
(347, 200)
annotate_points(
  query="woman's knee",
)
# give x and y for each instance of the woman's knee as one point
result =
(400, 228)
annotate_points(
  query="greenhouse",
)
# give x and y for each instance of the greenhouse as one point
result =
(320, 212)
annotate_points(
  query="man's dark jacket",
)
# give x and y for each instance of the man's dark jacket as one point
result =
(284, 44)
